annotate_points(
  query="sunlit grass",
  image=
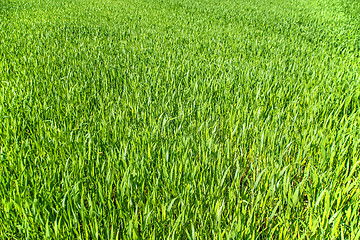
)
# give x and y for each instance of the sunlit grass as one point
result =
(179, 119)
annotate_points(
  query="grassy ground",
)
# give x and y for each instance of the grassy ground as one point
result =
(184, 119)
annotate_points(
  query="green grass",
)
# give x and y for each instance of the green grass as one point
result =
(191, 119)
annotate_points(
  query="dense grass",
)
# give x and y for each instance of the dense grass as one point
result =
(185, 119)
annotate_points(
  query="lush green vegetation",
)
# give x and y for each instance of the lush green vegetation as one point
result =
(184, 119)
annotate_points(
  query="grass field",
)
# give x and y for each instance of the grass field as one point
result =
(179, 119)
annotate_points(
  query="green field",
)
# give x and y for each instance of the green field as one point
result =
(179, 119)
